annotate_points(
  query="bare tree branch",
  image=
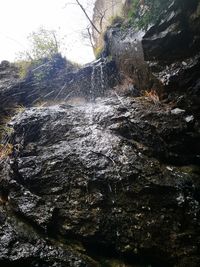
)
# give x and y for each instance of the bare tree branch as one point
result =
(90, 37)
(84, 11)
(101, 19)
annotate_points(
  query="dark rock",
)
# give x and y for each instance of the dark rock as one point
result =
(103, 175)
(8, 75)
(125, 47)
(172, 49)
(176, 35)
(21, 245)
(115, 181)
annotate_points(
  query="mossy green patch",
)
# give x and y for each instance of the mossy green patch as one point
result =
(143, 13)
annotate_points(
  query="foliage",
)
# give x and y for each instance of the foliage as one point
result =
(6, 130)
(19, 109)
(5, 150)
(98, 51)
(43, 59)
(110, 58)
(142, 13)
(23, 67)
(44, 44)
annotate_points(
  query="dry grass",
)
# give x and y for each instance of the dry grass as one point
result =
(152, 96)
(6, 147)
(19, 109)
(5, 151)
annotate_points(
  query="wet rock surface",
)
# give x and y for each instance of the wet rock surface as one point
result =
(172, 49)
(168, 49)
(22, 245)
(110, 179)
(9, 77)
(56, 79)
(124, 44)
(176, 34)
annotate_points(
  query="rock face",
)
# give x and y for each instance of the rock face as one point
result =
(169, 50)
(8, 79)
(113, 181)
(8, 75)
(125, 47)
(103, 176)
(172, 49)
(103, 14)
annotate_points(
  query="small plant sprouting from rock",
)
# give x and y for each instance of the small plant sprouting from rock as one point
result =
(5, 150)
(23, 67)
(6, 147)
(152, 95)
(19, 109)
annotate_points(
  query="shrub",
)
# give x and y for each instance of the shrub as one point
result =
(44, 44)
(23, 67)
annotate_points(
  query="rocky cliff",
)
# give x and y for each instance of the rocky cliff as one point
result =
(112, 180)
(103, 14)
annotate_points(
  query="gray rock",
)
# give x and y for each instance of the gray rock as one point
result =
(177, 111)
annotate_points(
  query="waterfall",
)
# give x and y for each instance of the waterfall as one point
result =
(92, 88)
(102, 64)
(98, 83)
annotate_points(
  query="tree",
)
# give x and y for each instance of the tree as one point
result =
(44, 44)
(87, 33)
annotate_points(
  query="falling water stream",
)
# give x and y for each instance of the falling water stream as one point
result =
(92, 87)
(102, 77)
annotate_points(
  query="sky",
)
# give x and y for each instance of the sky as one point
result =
(18, 18)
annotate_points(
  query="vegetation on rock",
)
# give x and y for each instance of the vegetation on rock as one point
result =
(43, 44)
(142, 13)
